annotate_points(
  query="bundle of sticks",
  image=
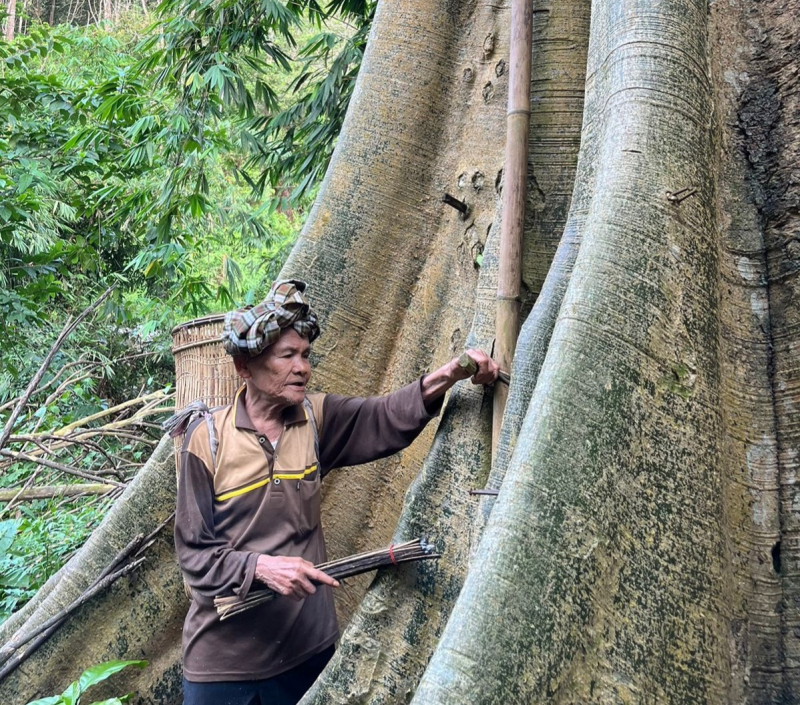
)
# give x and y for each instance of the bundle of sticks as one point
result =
(416, 550)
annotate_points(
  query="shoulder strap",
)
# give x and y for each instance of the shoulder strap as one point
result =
(177, 424)
(309, 407)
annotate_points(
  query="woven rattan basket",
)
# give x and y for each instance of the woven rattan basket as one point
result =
(203, 371)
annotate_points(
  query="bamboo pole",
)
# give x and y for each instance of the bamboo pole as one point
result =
(514, 194)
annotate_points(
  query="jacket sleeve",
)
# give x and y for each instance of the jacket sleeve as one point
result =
(359, 430)
(209, 564)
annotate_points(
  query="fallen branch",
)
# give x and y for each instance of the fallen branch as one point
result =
(82, 361)
(60, 443)
(148, 540)
(55, 620)
(82, 507)
(156, 410)
(47, 628)
(159, 395)
(79, 437)
(148, 424)
(36, 637)
(12, 503)
(12, 663)
(32, 385)
(116, 431)
(52, 491)
(59, 466)
(64, 437)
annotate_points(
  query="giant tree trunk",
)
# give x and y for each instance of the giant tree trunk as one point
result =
(644, 546)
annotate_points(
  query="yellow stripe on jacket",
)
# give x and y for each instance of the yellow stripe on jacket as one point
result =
(277, 476)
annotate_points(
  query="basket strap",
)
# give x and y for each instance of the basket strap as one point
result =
(177, 424)
(313, 419)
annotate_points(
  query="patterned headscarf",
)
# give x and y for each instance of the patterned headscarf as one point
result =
(250, 330)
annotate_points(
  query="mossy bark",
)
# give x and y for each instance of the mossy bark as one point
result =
(138, 617)
(395, 629)
(603, 557)
(644, 546)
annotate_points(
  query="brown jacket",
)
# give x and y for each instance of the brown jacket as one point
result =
(260, 500)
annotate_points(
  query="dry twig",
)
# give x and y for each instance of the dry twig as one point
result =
(40, 634)
(416, 550)
(47, 628)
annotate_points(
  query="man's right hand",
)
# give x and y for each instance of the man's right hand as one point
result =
(291, 576)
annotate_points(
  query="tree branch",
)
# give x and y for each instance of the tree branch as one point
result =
(59, 466)
(70, 326)
(51, 491)
(47, 628)
(147, 398)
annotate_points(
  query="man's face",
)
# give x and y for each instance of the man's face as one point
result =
(282, 371)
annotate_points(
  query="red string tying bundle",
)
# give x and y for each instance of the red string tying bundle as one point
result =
(391, 554)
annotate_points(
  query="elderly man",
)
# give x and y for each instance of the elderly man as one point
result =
(248, 509)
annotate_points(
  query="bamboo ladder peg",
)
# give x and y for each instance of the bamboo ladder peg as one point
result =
(453, 202)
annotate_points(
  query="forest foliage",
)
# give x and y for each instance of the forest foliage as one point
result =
(169, 152)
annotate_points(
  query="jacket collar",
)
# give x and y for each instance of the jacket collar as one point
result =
(241, 419)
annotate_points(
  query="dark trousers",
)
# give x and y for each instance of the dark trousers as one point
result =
(284, 689)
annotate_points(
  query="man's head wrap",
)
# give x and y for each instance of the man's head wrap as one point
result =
(250, 330)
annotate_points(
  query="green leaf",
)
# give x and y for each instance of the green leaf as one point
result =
(99, 673)
(52, 700)
(72, 695)
(197, 205)
(8, 530)
(16, 577)
(24, 183)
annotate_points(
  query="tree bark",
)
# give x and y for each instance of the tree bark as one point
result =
(644, 544)
(11, 19)
(390, 637)
(593, 582)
